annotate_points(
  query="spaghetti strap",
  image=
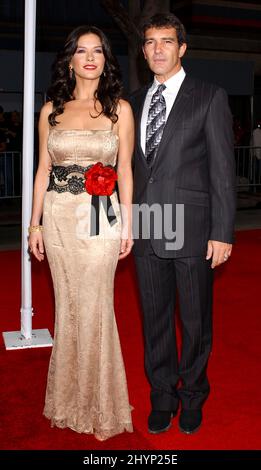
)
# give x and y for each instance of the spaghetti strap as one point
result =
(114, 129)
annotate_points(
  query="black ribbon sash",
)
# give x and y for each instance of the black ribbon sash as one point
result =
(96, 202)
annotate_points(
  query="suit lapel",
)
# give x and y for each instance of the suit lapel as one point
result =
(181, 102)
(138, 121)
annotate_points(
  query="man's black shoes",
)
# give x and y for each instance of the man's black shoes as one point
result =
(190, 421)
(160, 421)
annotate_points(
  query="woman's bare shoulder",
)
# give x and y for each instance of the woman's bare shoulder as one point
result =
(124, 108)
(47, 109)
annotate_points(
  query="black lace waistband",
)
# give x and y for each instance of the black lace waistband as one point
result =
(63, 178)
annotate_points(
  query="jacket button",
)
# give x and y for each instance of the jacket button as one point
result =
(151, 180)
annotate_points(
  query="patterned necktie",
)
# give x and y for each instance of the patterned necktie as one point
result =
(155, 123)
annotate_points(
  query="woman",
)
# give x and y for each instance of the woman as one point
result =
(85, 130)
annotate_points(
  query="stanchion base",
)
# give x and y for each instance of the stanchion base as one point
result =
(15, 340)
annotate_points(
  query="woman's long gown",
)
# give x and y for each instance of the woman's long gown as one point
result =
(86, 388)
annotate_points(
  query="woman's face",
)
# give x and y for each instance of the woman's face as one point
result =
(88, 60)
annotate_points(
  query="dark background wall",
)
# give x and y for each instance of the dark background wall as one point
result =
(224, 43)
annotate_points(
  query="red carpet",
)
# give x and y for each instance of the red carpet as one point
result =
(232, 414)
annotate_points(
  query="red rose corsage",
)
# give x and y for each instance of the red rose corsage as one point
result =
(100, 180)
(100, 183)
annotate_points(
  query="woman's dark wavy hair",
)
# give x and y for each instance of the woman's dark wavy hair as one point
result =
(109, 89)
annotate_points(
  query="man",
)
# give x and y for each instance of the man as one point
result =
(184, 158)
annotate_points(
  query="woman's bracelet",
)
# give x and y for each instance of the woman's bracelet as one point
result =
(35, 228)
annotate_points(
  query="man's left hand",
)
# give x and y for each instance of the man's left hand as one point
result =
(219, 252)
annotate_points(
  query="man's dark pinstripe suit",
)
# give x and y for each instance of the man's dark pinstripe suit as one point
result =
(194, 166)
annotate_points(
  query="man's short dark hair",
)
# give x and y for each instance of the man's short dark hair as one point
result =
(168, 20)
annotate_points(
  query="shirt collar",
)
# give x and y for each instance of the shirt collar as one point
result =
(172, 83)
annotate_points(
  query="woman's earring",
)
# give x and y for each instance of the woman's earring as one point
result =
(104, 74)
(70, 71)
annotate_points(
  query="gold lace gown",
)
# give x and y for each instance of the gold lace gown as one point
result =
(86, 385)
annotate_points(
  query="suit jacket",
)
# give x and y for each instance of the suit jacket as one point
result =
(194, 166)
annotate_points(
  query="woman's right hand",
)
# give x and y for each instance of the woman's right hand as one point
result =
(36, 245)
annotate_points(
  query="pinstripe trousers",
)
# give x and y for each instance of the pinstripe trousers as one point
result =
(176, 377)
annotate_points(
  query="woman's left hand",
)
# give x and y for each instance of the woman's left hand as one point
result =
(126, 246)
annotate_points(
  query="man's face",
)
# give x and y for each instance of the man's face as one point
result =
(162, 52)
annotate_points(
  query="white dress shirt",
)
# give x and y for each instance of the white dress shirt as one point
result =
(173, 85)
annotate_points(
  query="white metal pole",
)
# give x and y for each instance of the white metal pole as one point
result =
(26, 338)
(28, 153)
